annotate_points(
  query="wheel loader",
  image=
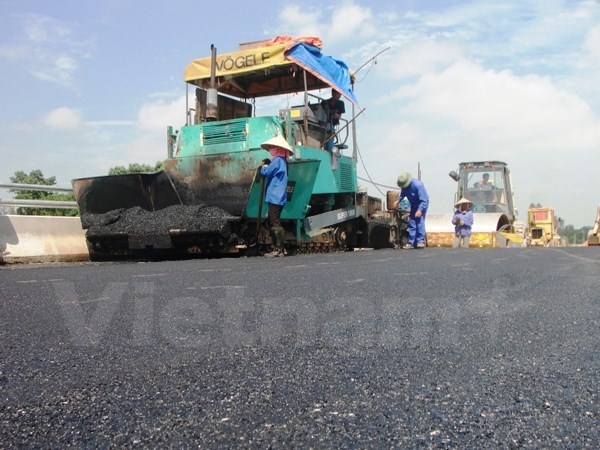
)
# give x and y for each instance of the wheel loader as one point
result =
(488, 185)
(209, 199)
(542, 228)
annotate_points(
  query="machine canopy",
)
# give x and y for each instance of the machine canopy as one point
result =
(272, 70)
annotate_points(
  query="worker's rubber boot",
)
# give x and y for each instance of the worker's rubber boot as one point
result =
(278, 242)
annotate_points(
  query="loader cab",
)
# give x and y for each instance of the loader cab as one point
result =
(486, 188)
(487, 185)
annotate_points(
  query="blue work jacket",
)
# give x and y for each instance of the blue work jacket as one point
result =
(463, 229)
(417, 196)
(276, 174)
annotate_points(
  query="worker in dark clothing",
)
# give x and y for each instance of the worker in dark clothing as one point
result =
(334, 108)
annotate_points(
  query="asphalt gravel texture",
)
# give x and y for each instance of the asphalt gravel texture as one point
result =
(145, 229)
(434, 348)
(138, 221)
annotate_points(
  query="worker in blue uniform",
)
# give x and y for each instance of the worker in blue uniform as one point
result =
(275, 172)
(417, 196)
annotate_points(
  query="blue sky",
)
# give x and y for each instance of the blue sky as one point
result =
(89, 85)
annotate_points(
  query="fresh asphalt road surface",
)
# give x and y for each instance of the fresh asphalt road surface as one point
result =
(426, 348)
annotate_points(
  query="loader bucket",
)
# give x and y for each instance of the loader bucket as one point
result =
(149, 191)
(485, 232)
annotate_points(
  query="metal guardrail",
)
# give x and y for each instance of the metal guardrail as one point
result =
(34, 187)
(58, 204)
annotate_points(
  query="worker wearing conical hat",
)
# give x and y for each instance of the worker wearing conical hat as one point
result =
(463, 222)
(275, 172)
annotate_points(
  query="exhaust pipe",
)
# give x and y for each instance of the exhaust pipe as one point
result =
(211, 93)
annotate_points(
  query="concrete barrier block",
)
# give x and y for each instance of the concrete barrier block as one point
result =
(27, 239)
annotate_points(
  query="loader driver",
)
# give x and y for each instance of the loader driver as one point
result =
(276, 175)
(486, 185)
(334, 108)
(485, 182)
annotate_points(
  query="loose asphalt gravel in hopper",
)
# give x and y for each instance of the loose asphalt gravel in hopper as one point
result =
(139, 222)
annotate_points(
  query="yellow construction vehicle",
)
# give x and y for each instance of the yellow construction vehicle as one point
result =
(488, 185)
(542, 228)
(594, 233)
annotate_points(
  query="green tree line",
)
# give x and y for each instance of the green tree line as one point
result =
(37, 177)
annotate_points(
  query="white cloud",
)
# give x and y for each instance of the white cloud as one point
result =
(501, 111)
(62, 119)
(148, 143)
(346, 22)
(155, 116)
(41, 29)
(56, 47)
(144, 149)
(22, 127)
(591, 44)
(299, 21)
(420, 57)
(61, 70)
(350, 21)
(13, 52)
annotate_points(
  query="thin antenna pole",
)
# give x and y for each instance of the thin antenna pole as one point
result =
(370, 59)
